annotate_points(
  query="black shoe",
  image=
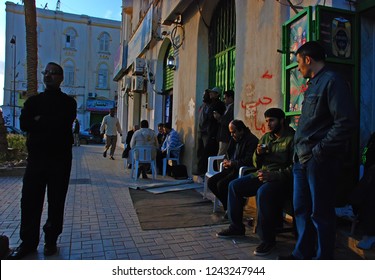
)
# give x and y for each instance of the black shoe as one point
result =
(105, 154)
(289, 257)
(129, 166)
(20, 252)
(264, 249)
(228, 233)
(50, 250)
(112, 158)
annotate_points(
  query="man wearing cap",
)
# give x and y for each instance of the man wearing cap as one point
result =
(271, 184)
(208, 144)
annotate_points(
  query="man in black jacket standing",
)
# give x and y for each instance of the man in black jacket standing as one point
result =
(51, 112)
(324, 129)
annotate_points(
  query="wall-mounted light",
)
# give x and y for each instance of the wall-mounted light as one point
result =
(171, 62)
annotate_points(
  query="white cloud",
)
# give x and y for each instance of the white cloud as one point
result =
(108, 14)
(2, 67)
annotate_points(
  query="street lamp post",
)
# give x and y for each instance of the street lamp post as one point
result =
(14, 43)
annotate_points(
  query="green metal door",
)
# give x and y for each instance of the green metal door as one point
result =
(222, 50)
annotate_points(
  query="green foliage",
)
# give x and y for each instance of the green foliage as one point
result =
(16, 148)
(18, 142)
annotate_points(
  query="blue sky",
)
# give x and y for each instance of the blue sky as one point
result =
(110, 9)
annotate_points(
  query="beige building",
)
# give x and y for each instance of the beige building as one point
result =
(244, 45)
(84, 46)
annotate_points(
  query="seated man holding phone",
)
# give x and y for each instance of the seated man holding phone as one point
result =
(271, 183)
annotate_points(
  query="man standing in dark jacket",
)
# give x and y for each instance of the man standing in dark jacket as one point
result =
(239, 153)
(223, 135)
(208, 128)
(51, 112)
(324, 129)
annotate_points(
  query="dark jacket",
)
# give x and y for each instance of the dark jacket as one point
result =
(51, 135)
(279, 158)
(224, 134)
(241, 152)
(327, 120)
(213, 127)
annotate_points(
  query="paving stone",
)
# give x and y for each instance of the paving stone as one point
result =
(100, 221)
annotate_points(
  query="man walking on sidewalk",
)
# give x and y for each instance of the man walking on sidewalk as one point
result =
(110, 125)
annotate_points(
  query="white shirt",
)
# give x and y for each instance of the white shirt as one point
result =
(110, 125)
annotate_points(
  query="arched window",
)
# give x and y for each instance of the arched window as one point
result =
(70, 37)
(69, 70)
(222, 45)
(104, 39)
(168, 73)
(103, 76)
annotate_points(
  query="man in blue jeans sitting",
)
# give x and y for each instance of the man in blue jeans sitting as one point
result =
(271, 183)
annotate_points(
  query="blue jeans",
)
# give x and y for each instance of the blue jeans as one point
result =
(270, 198)
(314, 208)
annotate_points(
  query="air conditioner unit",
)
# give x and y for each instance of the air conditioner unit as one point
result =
(92, 95)
(126, 83)
(139, 66)
(137, 84)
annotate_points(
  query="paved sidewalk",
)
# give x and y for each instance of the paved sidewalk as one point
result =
(101, 223)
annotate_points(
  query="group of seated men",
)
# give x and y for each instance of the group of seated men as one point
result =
(167, 139)
(270, 181)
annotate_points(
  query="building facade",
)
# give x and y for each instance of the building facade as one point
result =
(84, 46)
(172, 50)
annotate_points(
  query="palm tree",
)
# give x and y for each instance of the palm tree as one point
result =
(31, 48)
(32, 66)
(3, 138)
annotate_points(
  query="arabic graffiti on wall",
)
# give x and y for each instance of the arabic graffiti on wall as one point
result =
(252, 108)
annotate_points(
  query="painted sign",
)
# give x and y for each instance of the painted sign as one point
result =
(120, 61)
(99, 105)
(141, 38)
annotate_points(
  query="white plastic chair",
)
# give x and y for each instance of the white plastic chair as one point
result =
(211, 172)
(143, 154)
(170, 157)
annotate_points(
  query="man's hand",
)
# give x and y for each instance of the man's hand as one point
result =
(217, 116)
(262, 149)
(227, 163)
(265, 176)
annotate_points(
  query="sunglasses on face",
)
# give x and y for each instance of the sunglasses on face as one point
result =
(51, 72)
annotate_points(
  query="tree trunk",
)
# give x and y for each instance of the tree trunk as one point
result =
(31, 48)
(3, 138)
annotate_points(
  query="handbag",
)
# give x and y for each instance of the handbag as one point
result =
(125, 153)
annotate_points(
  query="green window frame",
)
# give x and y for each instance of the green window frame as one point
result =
(296, 32)
(222, 50)
(168, 74)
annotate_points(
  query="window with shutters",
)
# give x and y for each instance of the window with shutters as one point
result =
(70, 38)
(104, 39)
(69, 70)
(103, 76)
